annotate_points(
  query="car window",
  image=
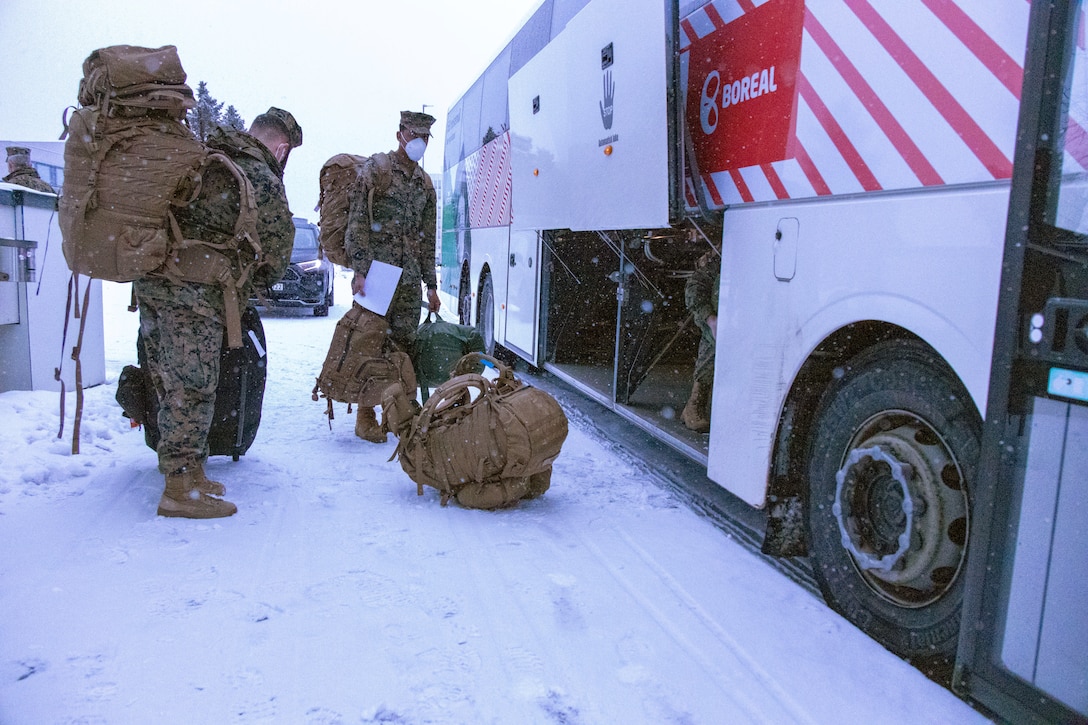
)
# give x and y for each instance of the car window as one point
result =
(305, 248)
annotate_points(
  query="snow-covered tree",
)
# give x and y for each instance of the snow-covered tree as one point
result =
(232, 118)
(206, 114)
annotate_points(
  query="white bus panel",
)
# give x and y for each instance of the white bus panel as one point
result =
(588, 119)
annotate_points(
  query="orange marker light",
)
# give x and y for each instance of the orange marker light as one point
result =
(608, 150)
(536, 172)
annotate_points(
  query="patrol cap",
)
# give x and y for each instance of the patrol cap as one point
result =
(287, 121)
(18, 151)
(416, 122)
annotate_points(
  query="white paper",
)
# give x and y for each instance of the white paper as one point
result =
(381, 283)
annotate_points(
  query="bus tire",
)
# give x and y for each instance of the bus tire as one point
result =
(485, 315)
(895, 570)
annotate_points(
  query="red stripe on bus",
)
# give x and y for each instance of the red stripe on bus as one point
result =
(775, 181)
(745, 192)
(689, 29)
(715, 17)
(715, 195)
(746, 5)
(976, 139)
(814, 176)
(884, 118)
(1000, 63)
(838, 137)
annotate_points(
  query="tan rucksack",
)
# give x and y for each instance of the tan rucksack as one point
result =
(129, 161)
(359, 365)
(487, 443)
(335, 181)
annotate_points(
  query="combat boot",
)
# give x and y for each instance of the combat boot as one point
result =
(696, 414)
(366, 425)
(182, 498)
(205, 484)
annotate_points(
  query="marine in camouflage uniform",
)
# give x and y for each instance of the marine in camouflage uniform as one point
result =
(21, 173)
(392, 219)
(701, 298)
(182, 324)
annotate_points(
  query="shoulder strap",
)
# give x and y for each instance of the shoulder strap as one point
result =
(211, 259)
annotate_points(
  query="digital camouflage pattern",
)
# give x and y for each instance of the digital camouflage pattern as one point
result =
(701, 298)
(29, 178)
(183, 323)
(183, 348)
(402, 234)
(274, 225)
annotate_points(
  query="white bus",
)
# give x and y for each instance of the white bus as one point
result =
(852, 160)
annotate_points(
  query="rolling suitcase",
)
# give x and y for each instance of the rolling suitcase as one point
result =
(238, 401)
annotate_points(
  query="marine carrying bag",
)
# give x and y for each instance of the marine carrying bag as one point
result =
(359, 365)
(336, 181)
(129, 161)
(486, 443)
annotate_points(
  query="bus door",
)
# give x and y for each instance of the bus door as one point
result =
(1023, 650)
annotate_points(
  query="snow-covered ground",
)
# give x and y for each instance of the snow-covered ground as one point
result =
(336, 595)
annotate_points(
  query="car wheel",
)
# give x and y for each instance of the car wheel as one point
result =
(892, 461)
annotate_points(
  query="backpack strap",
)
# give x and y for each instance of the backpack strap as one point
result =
(382, 180)
(195, 260)
(454, 393)
(81, 315)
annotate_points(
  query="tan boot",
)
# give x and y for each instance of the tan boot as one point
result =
(205, 484)
(366, 425)
(182, 498)
(696, 414)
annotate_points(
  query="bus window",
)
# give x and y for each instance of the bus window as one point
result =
(470, 118)
(1072, 203)
(531, 38)
(494, 109)
(453, 151)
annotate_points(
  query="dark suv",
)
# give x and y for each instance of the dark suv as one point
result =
(308, 280)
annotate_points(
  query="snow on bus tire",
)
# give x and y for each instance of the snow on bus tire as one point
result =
(893, 458)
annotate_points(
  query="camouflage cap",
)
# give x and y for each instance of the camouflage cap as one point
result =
(18, 151)
(416, 122)
(285, 119)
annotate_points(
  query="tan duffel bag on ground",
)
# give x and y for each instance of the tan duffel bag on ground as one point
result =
(487, 443)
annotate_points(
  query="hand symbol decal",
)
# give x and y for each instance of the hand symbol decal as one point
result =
(606, 104)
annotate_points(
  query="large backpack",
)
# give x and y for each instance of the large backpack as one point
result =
(359, 365)
(487, 443)
(129, 161)
(336, 181)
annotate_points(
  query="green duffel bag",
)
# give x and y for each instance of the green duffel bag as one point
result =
(438, 347)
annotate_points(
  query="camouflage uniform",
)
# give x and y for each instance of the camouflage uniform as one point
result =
(701, 298)
(24, 174)
(182, 323)
(403, 234)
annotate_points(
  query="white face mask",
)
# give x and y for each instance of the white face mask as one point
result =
(415, 148)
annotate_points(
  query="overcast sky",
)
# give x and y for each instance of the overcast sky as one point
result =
(344, 69)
